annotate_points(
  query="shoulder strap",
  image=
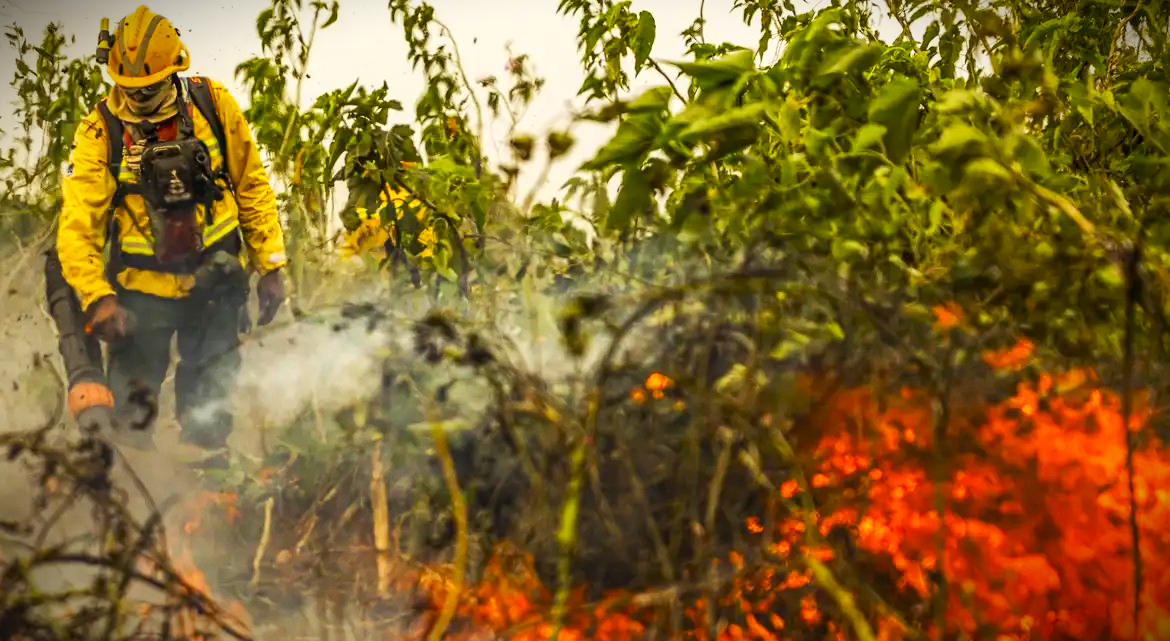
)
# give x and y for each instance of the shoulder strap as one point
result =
(115, 131)
(199, 91)
(114, 139)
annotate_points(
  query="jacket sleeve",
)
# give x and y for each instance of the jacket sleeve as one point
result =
(258, 216)
(87, 189)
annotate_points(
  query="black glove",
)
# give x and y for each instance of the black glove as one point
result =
(108, 320)
(270, 292)
(245, 323)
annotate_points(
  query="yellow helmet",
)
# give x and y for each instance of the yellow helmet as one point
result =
(146, 50)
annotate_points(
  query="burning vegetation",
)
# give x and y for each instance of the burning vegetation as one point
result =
(878, 514)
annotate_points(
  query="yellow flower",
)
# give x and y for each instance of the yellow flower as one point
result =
(372, 234)
(367, 236)
(427, 239)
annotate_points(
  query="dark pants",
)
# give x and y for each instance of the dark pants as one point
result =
(209, 360)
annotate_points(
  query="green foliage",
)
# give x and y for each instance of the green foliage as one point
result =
(291, 136)
(610, 32)
(53, 93)
(911, 179)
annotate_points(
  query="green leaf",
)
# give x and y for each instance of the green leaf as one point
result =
(932, 31)
(960, 139)
(896, 108)
(792, 346)
(859, 58)
(987, 172)
(332, 14)
(788, 121)
(1110, 276)
(717, 72)
(869, 135)
(643, 41)
(935, 217)
(653, 99)
(747, 115)
(263, 19)
(634, 138)
(633, 198)
(1043, 30)
(1030, 155)
(1145, 107)
(693, 112)
(732, 140)
(340, 144)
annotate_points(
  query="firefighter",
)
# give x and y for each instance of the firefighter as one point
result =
(165, 174)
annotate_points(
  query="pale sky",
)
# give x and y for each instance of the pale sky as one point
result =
(365, 45)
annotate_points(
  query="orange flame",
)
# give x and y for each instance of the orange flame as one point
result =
(1034, 541)
(186, 621)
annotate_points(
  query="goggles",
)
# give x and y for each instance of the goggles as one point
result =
(147, 93)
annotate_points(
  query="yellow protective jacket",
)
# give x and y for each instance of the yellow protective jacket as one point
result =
(89, 187)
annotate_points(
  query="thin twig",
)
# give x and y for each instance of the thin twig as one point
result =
(459, 507)
(190, 595)
(263, 545)
(1108, 79)
(662, 71)
(381, 510)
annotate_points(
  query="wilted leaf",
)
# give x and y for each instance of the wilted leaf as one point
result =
(332, 14)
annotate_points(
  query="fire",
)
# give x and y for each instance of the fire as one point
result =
(655, 387)
(1023, 529)
(1033, 540)
(947, 316)
(1035, 536)
(187, 620)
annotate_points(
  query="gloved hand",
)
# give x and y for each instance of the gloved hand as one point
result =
(270, 292)
(108, 320)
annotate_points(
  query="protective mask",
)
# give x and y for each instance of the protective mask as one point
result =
(154, 103)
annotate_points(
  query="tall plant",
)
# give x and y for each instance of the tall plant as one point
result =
(54, 91)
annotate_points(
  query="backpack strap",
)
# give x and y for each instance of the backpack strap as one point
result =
(115, 132)
(199, 92)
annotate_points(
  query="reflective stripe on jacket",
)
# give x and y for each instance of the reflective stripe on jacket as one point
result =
(88, 189)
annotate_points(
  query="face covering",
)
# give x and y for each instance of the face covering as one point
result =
(155, 103)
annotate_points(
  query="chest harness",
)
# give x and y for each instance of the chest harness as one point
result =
(175, 177)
